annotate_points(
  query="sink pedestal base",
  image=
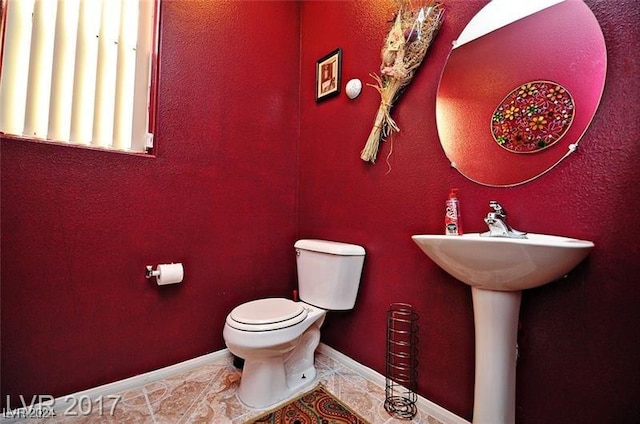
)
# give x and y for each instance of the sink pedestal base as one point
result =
(496, 326)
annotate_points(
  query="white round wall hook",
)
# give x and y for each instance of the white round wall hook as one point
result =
(353, 88)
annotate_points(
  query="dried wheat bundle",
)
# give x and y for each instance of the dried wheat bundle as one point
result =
(403, 51)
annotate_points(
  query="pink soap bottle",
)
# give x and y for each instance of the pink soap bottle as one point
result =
(452, 222)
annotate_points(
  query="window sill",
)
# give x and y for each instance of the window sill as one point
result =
(10, 137)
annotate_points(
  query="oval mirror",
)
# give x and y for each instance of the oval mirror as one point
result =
(519, 89)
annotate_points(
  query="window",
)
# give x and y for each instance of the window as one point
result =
(78, 71)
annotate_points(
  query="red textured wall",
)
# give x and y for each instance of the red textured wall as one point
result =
(79, 226)
(578, 338)
(231, 165)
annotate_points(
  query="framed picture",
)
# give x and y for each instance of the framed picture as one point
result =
(328, 70)
(1, 17)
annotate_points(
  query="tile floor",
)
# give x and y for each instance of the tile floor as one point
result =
(207, 394)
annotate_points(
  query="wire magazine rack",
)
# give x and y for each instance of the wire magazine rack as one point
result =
(401, 361)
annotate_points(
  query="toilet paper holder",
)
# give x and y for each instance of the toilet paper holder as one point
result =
(164, 274)
(150, 272)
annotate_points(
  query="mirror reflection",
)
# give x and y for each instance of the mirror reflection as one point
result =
(532, 117)
(521, 78)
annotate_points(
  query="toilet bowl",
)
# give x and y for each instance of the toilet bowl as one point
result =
(277, 337)
(278, 350)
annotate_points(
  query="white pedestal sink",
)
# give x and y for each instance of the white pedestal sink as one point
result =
(498, 269)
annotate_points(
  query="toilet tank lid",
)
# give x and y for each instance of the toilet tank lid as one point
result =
(332, 247)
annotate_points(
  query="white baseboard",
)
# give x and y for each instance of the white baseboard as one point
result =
(62, 403)
(424, 404)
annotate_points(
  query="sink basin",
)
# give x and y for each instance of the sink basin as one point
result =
(506, 264)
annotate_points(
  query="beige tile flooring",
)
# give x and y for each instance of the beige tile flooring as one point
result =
(207, 394)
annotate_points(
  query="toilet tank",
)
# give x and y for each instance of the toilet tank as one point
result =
(329, 273)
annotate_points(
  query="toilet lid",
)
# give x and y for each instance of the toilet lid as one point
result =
(267, 314)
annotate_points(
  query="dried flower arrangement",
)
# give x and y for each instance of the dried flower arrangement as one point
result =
(405, 47)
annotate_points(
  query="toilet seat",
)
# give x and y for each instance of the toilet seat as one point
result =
(267, 314)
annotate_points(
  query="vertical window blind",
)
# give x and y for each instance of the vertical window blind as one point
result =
(78, 71)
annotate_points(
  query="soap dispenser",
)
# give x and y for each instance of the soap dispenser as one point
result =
(452, 223)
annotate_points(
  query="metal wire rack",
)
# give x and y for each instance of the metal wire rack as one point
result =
(401, 361)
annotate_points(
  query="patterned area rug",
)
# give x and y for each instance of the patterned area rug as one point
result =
(317, 406)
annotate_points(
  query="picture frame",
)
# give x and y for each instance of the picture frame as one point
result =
(328, 75)
(1, 19)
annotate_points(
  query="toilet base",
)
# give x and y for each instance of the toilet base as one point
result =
(264, 382)
(268, 380)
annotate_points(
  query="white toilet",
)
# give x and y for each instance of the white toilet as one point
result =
(277, 337)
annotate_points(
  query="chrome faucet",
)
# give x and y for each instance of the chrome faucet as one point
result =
(497, 223)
